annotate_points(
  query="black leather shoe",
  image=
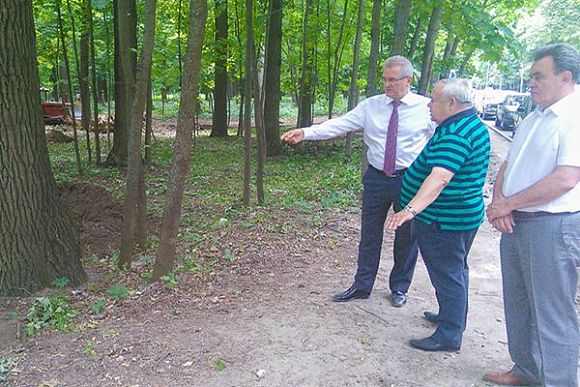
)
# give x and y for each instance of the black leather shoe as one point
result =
(351, 294)
(431, 317)
(430, 345)
(398, 299)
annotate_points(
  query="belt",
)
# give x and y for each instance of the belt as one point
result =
(397, 173)
(537, 214)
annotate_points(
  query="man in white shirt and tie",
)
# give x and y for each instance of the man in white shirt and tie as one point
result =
(397, 125)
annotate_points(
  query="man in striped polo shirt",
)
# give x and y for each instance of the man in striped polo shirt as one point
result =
(443, 191)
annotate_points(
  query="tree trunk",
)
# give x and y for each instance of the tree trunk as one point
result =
(401, 24)
(125, 37)
(220, 111)
(337, 59)
(415, 39)
(40, 242)
(429, 49)
(305, 94)
(94, 79)
(272, 79)
(69, 87)
(353, 91)
(374, 54)
(149, 126)
(109, 88)
(133, 206)
(185, 123)
(248, 101)
(84, 90)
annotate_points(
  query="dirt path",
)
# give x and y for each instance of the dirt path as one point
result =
(283, 330)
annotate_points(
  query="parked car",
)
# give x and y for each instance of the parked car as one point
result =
(507, 111)
(490, 101)
(526, 107)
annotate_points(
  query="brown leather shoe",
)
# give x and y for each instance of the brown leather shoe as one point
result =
(508, 379)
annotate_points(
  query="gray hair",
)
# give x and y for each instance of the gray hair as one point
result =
(566, 58)
(457, 88)
(398, 60)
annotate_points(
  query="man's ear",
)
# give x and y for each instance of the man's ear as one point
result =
(566, 76)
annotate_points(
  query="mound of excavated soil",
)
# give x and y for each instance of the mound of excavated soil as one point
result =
(98, 213)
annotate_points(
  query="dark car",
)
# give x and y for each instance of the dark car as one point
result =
(507, 111)
(526, 107)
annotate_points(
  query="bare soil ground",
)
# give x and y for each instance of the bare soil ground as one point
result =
(266, 320)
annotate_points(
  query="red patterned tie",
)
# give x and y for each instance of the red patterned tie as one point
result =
(391, 145)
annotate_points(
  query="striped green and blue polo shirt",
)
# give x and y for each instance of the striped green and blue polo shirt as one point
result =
(461, 145)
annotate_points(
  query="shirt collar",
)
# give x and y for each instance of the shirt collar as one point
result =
(408, 99)
(458, 116)
(566, 104)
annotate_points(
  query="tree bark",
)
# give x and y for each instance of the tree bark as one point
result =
(40, 242)
(401, 24)
(94, 79)
(305, 93)
(272, 79)
(429, 49)
(374, 54)
(415, 39)
(125, 50)
(353, 91)
(83, 76)
(248, 102)
(132, 205)
(149, 126)
(220, 111)
(185, 123)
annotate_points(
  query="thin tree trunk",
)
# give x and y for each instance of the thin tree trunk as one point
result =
(337, 59)
(353, 91)
(260, 131)
(69, 88)
(429, 49)
(185, 123)
(134, 164)
(126, 37)
(374, 54)
(305, 94)
(149, 125)
(402, 13)
(248, 102)
(272, 79)
(94, 77)
(109, 85)
(415, 39)
(40, 242)
(179, 55)
(83, 76)
(219, 126)
(78, 69)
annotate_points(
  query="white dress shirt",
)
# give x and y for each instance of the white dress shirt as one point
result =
(372, 115)
(544, 140)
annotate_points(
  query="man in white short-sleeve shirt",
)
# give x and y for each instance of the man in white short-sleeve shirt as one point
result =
(536, 206)
(396, 126)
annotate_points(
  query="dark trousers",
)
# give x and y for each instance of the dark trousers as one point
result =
(445, 255)
(380, 192)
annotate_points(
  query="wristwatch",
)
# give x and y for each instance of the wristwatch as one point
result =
(410, 209)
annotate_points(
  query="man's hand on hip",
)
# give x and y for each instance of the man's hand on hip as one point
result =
(293, 136)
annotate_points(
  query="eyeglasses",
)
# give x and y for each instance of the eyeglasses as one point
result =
(393, 80)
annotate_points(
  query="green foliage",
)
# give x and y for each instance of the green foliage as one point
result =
(90, 347)
(170, 281)
(98, 306)
(118, 292)
(53, 311)
(219, 364)
(6, 365)
(60, 283)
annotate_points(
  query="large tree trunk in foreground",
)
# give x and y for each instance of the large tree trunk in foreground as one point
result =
(185, 122)
(39, 241)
